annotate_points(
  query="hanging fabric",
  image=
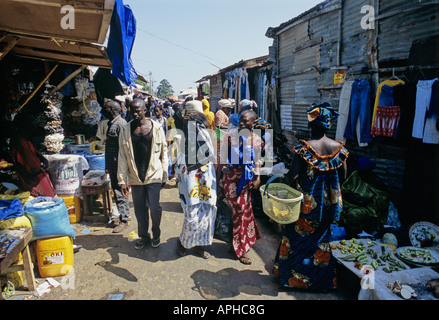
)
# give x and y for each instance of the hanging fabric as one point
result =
(389, 83)
(421, 127)
(359, 113)
(343, 110)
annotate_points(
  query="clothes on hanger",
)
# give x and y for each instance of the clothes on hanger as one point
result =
(388, 114)
(388, 83)
(343, 110)
(386, 121)
(424, 123)
(359, 113)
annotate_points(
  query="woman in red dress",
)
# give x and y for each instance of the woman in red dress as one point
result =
(239, 178)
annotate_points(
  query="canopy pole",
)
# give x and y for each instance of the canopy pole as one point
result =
(8, 47)
(67, 79)
(37, 88)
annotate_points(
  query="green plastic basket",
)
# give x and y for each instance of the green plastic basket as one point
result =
(281, 202)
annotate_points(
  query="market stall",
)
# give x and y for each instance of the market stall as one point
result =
(386, 272)
(50, 110)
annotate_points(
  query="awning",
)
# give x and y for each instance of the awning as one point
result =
(69, 52)
(44, 17)
(33, 29)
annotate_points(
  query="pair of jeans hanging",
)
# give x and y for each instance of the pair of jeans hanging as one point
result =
(359, 108)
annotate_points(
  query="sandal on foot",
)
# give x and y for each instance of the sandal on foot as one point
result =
(181, 251)
(245, 259)
(140, 244)
(202, 253)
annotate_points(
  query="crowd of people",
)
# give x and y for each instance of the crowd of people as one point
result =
(155, 144)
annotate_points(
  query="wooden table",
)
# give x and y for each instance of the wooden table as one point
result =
(21, 247)
(103, 189)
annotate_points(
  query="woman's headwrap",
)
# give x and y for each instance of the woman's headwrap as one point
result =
(322, 114)
(206, 104)
(226, 103)
(243, 105)
(262, 124)
(247, 104)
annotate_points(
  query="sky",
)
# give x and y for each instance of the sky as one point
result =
(184, 40)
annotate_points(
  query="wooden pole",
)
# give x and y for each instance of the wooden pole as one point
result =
(8, 47)
(38, 88)
(63, 83)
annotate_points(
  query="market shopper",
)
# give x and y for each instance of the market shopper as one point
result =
(143, 160)
(112, 112)
(304, 258)
(209, 114)
(160, 118)
(172, 140)
(197, 184)
(222, 123)
(240, 166)
(29, 163)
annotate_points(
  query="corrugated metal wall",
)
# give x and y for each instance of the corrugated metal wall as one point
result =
(216, 91)
(337, 40)
(403, 22)
(304, 50)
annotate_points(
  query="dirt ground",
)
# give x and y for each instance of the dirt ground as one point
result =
(108, 267)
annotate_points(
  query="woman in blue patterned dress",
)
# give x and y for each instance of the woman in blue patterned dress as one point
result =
(304, 258)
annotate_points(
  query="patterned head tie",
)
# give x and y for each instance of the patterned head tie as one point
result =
(321, 114)
(247, 104)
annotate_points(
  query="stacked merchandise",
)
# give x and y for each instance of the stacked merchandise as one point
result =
(52, 125)
(89, 106)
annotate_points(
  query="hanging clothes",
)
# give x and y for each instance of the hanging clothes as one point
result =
(359, 110)
(431, 132)
(423, 99)
(386, 121)
(343, 109)
(387, 113)
(405, 97)
(388, 83)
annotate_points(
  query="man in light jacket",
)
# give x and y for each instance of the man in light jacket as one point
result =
(143, 161)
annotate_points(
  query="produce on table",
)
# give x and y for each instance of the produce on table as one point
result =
(357, 252)
(405, 291)
(417, 255)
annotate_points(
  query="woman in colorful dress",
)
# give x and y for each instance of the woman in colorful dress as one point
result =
(196, 182)
(304, 258)
(240, 166)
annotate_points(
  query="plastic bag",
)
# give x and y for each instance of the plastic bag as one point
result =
(14, 223)
(10, 209)
(48, 217)
(223, 222)
(96, 161)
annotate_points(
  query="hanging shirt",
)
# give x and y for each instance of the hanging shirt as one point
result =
(388, 82)
(431, 132)
(423, 98)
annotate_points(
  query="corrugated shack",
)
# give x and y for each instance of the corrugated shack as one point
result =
(337, 44)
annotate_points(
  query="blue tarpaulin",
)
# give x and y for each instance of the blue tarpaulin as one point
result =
(121, 41)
